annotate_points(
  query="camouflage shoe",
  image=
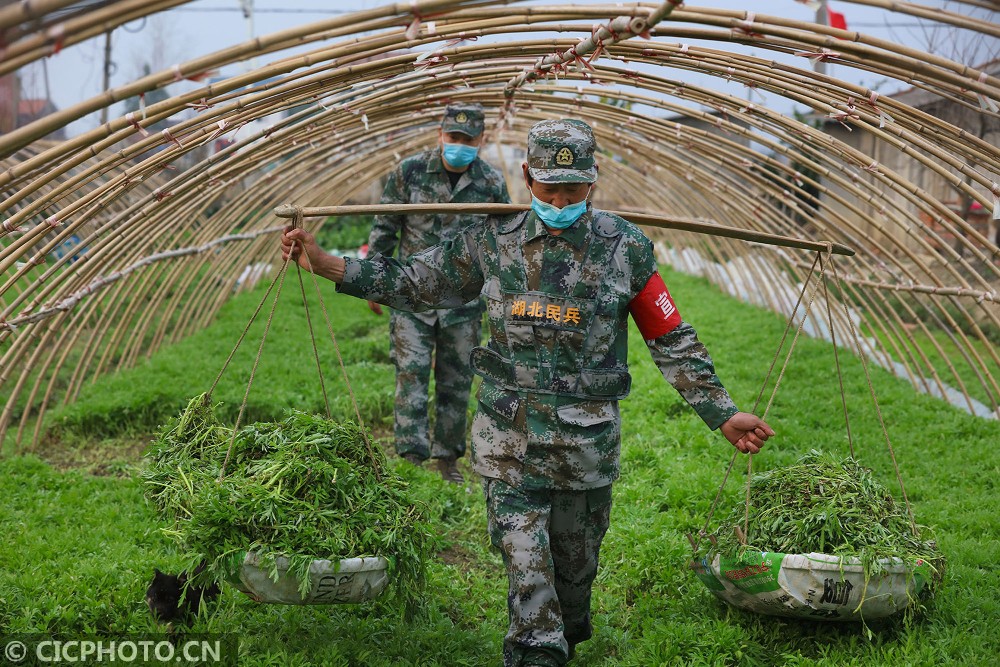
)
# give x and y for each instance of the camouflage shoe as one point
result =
(449, 471)
(414, 459)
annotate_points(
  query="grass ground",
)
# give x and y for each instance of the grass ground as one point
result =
(952, 362)
(82, 543)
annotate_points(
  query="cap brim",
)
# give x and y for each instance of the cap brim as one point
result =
(564, 175)
(464, 129)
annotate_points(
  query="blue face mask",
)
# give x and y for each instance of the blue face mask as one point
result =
(459, 155)
(558, 218)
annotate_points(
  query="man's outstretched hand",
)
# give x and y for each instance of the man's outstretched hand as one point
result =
(747, 432)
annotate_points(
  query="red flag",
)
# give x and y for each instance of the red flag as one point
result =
(836, 19)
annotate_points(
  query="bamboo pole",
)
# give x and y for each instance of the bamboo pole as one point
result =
(615, 31)
(21, 12)
(637, 217)
(385, 16)
(73, 30)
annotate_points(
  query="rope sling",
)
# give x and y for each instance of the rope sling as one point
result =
(802, 510)
(289, 575)
(818, 261)
(278, 281)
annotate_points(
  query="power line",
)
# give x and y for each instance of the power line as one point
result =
(919, 24)
(267, 10)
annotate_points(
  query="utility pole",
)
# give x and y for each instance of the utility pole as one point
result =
(822, 18)
(108, 66)
(45, 77)
(247, 6)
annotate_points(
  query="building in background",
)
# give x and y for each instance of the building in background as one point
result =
(32, 109)
(10, 95)
(983, 127)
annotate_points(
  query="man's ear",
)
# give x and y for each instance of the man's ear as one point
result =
(527, 176)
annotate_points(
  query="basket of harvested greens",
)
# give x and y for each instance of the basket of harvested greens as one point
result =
(306, 512)
(825, 541)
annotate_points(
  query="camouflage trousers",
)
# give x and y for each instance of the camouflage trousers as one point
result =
(413, 346)
(550, 542)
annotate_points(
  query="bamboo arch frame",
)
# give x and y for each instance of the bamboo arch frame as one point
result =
(161, 259)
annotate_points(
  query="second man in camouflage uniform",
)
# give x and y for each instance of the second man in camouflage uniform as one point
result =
(560, 282)
(453, 173)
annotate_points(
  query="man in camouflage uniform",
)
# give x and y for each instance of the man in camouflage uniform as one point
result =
(560, 282)
(451, 172)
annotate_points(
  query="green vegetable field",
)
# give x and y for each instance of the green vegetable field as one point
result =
(81, 541)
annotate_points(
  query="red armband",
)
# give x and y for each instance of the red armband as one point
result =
(653, 310)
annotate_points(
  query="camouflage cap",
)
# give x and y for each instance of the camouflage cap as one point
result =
(464, 118)
(562, 151)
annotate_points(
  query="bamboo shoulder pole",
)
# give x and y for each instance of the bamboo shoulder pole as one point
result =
(637, 217)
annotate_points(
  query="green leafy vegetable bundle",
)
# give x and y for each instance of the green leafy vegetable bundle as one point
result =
(830, 506)
(304, 488)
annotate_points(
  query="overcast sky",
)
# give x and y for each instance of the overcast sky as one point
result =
(206, 26)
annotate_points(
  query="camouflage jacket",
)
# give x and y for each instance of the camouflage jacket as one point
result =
(421, 179)
(556, 363)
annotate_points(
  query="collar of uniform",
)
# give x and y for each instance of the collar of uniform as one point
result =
(434, 161)
(575, 233)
